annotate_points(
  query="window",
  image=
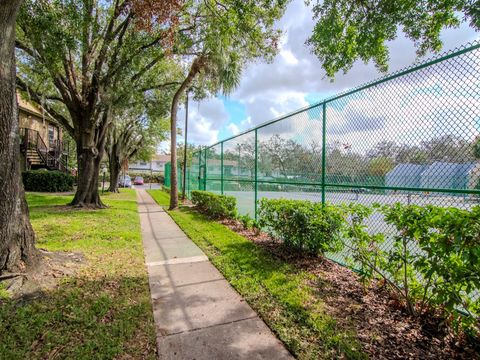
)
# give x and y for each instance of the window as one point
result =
(52, 131)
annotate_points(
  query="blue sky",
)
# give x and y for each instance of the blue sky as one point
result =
(293, 80)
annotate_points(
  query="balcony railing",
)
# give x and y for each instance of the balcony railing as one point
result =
(52, 155)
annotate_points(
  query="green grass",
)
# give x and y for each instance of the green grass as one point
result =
(276, 290)
(102, 312)
(161, 197)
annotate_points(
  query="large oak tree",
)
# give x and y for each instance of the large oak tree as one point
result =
(16, 234)
(72, 57)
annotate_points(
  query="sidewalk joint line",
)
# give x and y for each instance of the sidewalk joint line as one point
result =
(211, 326)
(184, 260)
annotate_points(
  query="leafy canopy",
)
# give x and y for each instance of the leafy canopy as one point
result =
(350, 30)
(224, 35)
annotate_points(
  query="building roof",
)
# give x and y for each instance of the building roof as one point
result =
(32, 108)
(161, 157)
(440, 168)
(407, 170)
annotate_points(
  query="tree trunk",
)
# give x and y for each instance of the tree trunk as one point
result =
(197, 65)
(88, 159)
(114, 168)
(173, 155)
(17, 238)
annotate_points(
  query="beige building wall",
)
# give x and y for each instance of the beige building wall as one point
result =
(31, 117)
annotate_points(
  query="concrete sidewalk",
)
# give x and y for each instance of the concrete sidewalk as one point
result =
(198, 315)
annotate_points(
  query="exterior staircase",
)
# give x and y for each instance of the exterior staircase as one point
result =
(38, 155)
(34, 159)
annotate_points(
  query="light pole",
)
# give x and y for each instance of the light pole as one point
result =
(104, 171)
(185, 149)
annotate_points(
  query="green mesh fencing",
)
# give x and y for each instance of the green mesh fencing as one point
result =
(411, 137)
(168, 174)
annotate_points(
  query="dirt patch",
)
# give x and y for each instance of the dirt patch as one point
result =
(385, 330)
(52, 267)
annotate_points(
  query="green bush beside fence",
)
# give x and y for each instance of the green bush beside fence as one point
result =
(214, 205)
(434, 262)
(303, 224)
(47, 181)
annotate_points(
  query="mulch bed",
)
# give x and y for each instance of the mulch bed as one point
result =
(383, 327)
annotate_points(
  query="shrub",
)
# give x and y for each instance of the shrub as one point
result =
(449, 262)
(247, 221)
(147, 177)
(47, 181)
(434, 261)
(214, 205)
(303, 224)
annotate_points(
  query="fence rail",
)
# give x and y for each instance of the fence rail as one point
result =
(413, 132)
(411, 137)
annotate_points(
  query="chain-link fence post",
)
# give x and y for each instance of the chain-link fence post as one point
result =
(199, 168)
(221, 168)
(205, 171)
(256, 172)
(324, 149)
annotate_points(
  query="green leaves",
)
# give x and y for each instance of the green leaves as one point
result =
(304, 225)
(347, 31)
(47, 181)
(434, 261)
(215, 206)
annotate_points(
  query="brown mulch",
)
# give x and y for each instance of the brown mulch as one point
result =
(383, 327)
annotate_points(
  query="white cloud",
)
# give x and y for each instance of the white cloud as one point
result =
(205, 118)
(288, 57)
(234, 129)
(271, 90)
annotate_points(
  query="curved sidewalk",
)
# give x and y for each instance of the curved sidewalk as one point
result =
(198, 315)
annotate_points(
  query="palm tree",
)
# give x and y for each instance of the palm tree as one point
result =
(223, 72)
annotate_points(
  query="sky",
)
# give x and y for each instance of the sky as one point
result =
(294, 79)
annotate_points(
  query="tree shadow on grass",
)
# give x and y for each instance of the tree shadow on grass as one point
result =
(277, 290)
(82, 318)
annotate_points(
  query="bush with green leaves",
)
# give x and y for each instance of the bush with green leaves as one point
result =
(47, 181)
(246, 221)
(155, 178)
(214, 205)
(434, 261)
(304, 225)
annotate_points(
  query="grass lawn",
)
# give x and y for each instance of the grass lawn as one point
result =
(277, 291)
(102, 312)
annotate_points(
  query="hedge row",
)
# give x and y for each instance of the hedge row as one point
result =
(148, 178)
(47, 181)
(214, 205)
(303, 224)
(432, 262)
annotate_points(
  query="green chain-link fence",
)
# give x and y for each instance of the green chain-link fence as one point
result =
(410, 137)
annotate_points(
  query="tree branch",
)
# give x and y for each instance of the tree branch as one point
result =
(160, 86)
(37, 97)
